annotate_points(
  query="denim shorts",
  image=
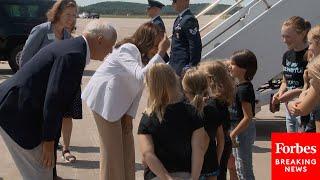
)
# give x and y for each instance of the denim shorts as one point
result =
(204, 176)
(315, 115)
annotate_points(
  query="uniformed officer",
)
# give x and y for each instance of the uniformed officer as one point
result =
(153, 11)
(186, 43)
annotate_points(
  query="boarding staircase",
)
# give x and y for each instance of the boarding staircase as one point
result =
(256, 26)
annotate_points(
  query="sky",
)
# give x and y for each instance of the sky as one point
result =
(87, 2)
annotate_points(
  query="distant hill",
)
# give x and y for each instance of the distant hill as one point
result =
(128, 8)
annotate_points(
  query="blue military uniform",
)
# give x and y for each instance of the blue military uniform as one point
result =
(158, 21)
(186, 43)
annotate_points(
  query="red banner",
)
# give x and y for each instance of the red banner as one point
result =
(295, 156)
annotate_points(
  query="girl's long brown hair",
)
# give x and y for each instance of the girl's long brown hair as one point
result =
(195, 83)
(220, 82)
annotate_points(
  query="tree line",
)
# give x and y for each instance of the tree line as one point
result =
(128, 8)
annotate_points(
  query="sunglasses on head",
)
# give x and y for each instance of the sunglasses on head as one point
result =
(174, 1)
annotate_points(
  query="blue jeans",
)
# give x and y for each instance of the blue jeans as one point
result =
(293, 123)
(314, 116)
(205, 176)
(316, 113)
(243, 153)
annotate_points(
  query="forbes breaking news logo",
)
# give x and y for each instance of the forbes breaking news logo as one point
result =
(295, 165)
(295, 155)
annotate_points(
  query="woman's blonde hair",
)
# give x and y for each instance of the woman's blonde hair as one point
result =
(195, 83)
(314, 69)
(162, 84)
(220, 81)
(53, 15)
(314, 34)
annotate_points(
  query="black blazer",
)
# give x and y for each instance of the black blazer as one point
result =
(33, 101)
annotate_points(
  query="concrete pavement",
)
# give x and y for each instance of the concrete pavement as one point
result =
(85, 142)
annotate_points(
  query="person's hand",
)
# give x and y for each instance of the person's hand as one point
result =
(293, 108)
(163, 45)
(275, 99)
(235, 144)
(184, 70)
(47, 157)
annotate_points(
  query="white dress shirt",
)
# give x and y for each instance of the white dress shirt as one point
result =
(115, 88)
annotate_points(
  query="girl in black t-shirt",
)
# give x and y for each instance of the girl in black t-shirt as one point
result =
(196, 88)
(243, 130)
(172, 138)
(294, 107)
(294, 34)
(222, 90)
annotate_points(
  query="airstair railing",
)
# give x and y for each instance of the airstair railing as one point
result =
(221, 15)
(266, 3)
(211, 6)
(235, 20)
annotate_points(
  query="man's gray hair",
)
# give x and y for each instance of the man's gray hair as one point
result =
(99, 27)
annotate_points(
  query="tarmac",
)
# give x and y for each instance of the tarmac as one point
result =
(85, 141)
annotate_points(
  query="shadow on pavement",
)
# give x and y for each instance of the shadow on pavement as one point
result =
(4, 77)
(257, 149)
(82, 149)
(88, 72)
(60, 178)
(85, 164)
(6, 72)
(265, 127)
(81, 164)
(139, 167)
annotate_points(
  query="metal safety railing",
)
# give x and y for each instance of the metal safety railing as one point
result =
(211, 6)
(225, 12)
(220, 15)
(266, 3)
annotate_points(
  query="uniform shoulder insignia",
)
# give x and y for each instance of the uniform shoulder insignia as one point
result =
(193, 31)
